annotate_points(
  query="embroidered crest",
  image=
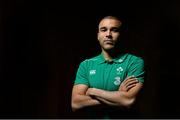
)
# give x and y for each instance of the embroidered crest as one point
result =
(117, 80)
(119, 70)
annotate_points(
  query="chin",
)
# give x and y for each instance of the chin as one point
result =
(108, 47)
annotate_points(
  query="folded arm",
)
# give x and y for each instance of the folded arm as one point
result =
(125, 96)
(80, 99)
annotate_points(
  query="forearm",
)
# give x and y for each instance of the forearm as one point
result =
(117, 98)
(113, 98)
(81, 101)
(106, 101)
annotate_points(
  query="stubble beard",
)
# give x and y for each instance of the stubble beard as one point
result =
(108, 50)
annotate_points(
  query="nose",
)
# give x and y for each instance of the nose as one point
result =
(108, 34)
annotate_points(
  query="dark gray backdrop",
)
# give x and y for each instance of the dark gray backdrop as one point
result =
(43, 42)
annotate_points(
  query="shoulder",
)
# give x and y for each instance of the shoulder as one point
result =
(132, 57)
(132, 60)
(90, 61)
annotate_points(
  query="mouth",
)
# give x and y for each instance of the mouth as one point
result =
(109, 42)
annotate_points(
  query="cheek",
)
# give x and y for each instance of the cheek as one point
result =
(100, 41)
(100, 38)
(116, 36)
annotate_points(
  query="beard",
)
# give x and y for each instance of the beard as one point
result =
(112, 48)
(108, 45)
(108, 48)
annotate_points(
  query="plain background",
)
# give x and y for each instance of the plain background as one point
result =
(43, 42)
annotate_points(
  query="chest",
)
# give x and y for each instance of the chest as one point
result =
(107, 76)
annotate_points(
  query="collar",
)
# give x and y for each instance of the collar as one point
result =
(119, 59)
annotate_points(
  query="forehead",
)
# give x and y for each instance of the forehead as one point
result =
(110, 23)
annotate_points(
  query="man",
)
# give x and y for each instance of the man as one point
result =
(112, 79)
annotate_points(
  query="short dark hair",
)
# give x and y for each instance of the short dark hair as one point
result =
(115, 18)
(111, 17)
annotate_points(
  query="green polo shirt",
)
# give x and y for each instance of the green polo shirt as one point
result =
(98, 73)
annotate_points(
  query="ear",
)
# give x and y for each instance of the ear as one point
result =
(98, 36)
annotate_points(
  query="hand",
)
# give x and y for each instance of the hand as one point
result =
(90, 91)
(128, 83)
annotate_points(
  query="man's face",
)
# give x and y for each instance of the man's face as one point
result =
(109, 33)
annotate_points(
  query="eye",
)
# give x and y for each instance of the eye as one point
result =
(103, 29)
(115, 29)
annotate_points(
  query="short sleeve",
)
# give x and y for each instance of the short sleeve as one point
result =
(81, 75)
(136, 68)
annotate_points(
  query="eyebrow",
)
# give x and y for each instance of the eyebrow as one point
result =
(101, 28)
(117, 28)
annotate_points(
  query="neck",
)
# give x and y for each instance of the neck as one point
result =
(109, 55)
(106, 55)
(113, 53)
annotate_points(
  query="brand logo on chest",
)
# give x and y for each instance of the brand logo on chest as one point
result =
(92, 72)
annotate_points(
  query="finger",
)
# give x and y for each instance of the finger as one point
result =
(87, 92)
(130, 77)
(130, 83)
(130, 86)
(134, 81)
(130, 80)
(124, 84)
